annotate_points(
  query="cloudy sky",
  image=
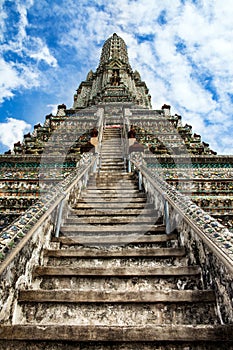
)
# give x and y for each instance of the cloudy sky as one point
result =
(183, 50)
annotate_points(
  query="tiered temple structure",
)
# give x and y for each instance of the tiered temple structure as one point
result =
(111, 136)
(182, 158)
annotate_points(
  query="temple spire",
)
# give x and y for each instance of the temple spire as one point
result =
(114, 48)
(114, 79)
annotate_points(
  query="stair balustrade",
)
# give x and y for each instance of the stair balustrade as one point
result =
(197, 228)
(32, 231)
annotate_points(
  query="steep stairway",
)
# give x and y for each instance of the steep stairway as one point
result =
(114, 279)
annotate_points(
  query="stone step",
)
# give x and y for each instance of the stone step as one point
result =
(118, 314)
(118, 283)
(102, 179)
(117, 271)
(105, 200)
(117, 205)
(115, 156)
(109, 171)
(68, 296)
(145, 333)
(122, 176)
(112, 186)
(110, 191)
(111, 168)
(118, 240)
(112, 212)
(110, 163)
(111, 155)
(111, 152)
(104, 345)
(101, 229)
(110, 220)
(107, 168)
(110, 159)
(107, 146)
(149, 337)
(112, 132)
(110, 146)
(111, 139)
(111, 263)
(118, 176)
(108, 131)
(123, 253)
(111, 195)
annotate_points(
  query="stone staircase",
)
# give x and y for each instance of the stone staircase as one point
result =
(114, 279)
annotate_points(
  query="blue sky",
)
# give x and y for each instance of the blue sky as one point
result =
(182, 48)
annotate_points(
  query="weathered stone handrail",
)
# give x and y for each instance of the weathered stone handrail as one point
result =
(100, 126)
(125, 129)
(14, 237)
(217, 237)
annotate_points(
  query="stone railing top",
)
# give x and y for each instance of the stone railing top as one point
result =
(217, 236)
(14, 233)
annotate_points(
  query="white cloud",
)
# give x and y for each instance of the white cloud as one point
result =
(9, 79)
(12, 131)
(3, 17)
(53, 109)
(17, 73)
(39, 52)
(15, 77)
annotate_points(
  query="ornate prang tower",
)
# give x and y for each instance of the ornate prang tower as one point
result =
(114, 79)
